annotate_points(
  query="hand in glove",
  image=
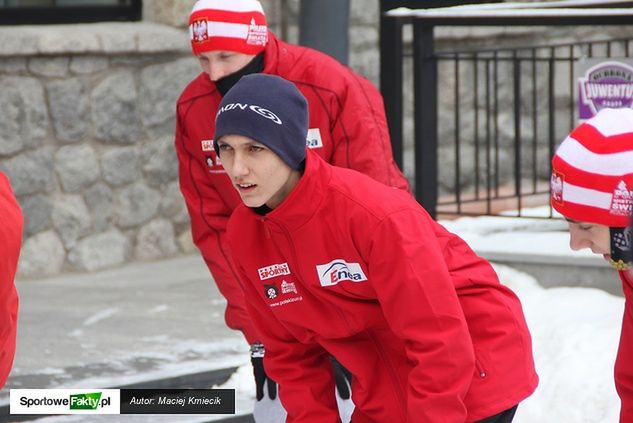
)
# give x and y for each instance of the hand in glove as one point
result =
(257, 360)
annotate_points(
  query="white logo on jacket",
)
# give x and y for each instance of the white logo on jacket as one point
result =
(253, 107)
(339, 270)
(273, 270)
(207, 145)
(313, 139)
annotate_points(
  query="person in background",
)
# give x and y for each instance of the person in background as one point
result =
(592, 187)
(11, 222)
(347, 128)
(334, 263)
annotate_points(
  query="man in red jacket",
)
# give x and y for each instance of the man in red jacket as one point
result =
(592, 187)
(347, 126)
(334, 263)
(10, 240)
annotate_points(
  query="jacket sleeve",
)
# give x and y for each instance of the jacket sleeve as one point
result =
(209, 216)
(302, 370)
(416, 293)
(624, 361)
(11, 222)
(360, 133)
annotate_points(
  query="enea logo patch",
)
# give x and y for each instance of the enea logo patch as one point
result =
(273, 270)
(313, 138)
(339, 271)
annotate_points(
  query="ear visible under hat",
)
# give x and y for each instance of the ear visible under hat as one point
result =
(228, 25)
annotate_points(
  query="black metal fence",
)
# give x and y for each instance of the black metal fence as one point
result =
(486, 120)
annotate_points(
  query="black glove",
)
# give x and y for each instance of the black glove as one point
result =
(257, 360)
(343, 379)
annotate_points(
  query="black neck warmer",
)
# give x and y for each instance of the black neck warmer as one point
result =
(621, 248)
(254, 66)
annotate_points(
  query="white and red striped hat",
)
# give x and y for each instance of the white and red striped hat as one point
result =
(228, 25)
(592, 170)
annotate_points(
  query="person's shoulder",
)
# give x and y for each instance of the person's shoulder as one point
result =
(368, 194)
(198, 87)
(304, 65)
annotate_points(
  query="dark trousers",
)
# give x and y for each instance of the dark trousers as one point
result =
(503, 417)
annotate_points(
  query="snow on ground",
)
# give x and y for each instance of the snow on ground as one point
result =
(575, 334)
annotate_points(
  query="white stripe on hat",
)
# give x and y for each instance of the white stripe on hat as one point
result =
(223, 29)
(578, 156)
(231, 5)
(617, 121)
(586, 196)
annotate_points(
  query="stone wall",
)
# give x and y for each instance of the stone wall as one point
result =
(86, 136)
(86, 139)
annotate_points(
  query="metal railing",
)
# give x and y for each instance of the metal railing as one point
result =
(499, 113)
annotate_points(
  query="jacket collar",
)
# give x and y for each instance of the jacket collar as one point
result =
(306, 197)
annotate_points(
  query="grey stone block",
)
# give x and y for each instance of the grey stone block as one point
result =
(100, 251)
(71, 219)
(68, 39)
(185, 242)
(160, 164)
(70, 108)
(120, 166)
(31, 172)
(114, 109)
(49, 66)
(160, 87)
(136, 204)
(100, 201)
(16, 42)
(13, 64)
(24, 120)
(41, 255)
(364, 12)
(156, 240)
(83, 65)
(77, 167)
(37, 213)
(172, 204)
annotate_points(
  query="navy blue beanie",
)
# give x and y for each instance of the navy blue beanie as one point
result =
(269, 110)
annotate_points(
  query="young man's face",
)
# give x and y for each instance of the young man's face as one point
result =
(218, 64)
(257, 173)
(590, 235)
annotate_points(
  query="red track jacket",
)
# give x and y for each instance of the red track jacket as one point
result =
(348, 267)
(624, 361)
(10, 239)
(347, 128)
